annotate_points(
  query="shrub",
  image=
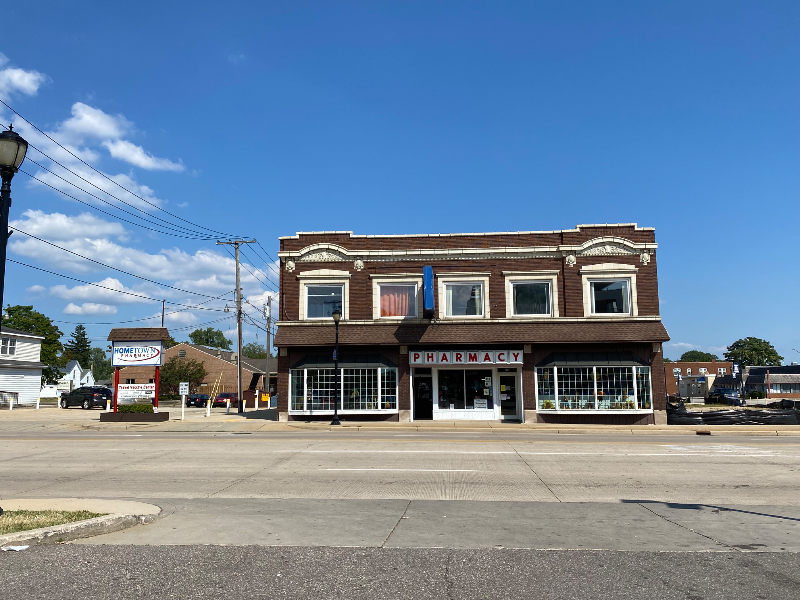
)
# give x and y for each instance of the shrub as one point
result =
(757, 395)
(135, 408)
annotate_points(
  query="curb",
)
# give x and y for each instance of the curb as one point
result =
(73, 531)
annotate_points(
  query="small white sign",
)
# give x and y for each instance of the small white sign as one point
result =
(143, 354)
(183, 388)
(136, 390)
(481, 403)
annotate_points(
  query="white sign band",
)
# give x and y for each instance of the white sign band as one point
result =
(465, 357)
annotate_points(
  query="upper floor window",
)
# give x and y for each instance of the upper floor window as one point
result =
(127, 381)
(398, 300)
(676, 371)
(322, 300)
(8, 346)
(702, 370)
(721, 371)
(531, 298)
(611, 296)
(464, 299)
(688, 371)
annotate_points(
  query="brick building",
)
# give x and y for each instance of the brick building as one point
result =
(219, 364)
(714, 368)
(554, 326)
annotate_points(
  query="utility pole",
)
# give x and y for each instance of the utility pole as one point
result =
(268, 315)
(163, 305)
(239, 395)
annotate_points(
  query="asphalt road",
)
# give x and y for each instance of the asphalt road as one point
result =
(233, 573)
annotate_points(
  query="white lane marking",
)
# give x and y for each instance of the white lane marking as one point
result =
(412, 470)
(121, 435)
(468, 452)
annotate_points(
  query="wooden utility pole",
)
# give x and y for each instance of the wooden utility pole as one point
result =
(240, 395)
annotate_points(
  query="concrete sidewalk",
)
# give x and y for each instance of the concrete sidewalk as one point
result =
(52, 419)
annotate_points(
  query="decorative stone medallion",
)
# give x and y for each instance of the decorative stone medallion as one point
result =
(358, 264)
(644, 257)
(570, 260)
(290, 265)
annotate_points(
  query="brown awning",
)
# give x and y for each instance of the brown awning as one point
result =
(478, 333)
(138, 334)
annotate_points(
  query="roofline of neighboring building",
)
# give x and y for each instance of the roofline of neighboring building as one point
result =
(20, 333)
(423, 235)
(211, 352)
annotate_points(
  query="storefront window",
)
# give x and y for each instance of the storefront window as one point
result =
(546, 388)
(296, 389)
(532, 298)
(322, 300)
(615, 388)
(643, 386)
(478, 388)
(470, 389)
(464, 299)
(576, 387)
(398, 300)
(451, 389)
(389, 388)
(320, 389)
(360, 389)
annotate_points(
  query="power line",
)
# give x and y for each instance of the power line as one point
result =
(107, 177)
(172, 226)
(109, 214)
(265, 284)
(190, 306)
(109, 266)
(266, 276)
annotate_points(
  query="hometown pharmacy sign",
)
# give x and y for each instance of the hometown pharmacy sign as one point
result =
(136, 354)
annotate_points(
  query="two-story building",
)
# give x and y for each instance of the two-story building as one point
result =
(551, 326)
(20, 365)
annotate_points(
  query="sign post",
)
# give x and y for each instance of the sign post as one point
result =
(183, 390)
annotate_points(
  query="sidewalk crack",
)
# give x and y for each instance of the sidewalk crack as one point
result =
(396, 524)
(708, 537)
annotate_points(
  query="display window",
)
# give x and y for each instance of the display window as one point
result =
(593, 388)
(465, 389)
(360, 389)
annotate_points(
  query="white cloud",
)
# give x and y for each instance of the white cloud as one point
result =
(682, 345)
(136, 155)
(92, 292)
(90, 308)
(717, 349)
(87, 121)
(14, 80)
(36, 289)
(58, 226)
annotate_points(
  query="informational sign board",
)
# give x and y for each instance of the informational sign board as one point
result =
(141, 354)
(481, 403)
(130, 391)
(183, 388)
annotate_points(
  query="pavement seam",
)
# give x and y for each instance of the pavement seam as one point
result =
(396, 524)
(254, 473)
(708, 537)
(527, 464)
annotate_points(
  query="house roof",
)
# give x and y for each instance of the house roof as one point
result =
(477, 333)
(138, 334)
(71, 365)
(20, 332)
(254, 365)
(786, 374)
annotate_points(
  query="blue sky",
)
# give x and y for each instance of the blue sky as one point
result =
(265, 118)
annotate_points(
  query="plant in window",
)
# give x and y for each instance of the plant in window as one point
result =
(548, 404)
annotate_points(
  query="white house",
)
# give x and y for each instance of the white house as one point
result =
(20, 364)
(75, 376)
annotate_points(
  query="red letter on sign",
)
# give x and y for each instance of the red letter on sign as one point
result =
(501, 357)
(430, 357)
(487, 358)
(415, 357)
(472, 357)
(515, 357)
(458, 357)
(443, 357)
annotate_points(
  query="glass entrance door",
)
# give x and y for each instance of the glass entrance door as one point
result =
(423, 395)
(508, 396)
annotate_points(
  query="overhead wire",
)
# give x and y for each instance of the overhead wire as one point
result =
(107, 177)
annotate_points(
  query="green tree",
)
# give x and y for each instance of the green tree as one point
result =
(28, 320)
(667, 360)
(170, 343)
(78, 347)
(177, 369)
(213, 338)
(698, 356)
(751, 351)
(254, 350)
(100, 364)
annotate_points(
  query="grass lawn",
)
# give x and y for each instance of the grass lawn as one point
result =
(12, 521)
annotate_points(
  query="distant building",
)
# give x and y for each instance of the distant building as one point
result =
(20, 365)
(691, 369)
(75, 376)
(776, 382)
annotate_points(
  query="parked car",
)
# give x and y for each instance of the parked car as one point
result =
(87, 397)
(222, 399)
(197, 400)
(724, 396)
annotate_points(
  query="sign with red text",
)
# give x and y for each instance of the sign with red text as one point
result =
(129, 391)
(465, 357)
(132, 354)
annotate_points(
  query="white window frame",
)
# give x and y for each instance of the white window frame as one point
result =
(604, 273)
(722, 371)
(9, 344)
(395, 279)
(324, 277)
(341, 410)
(514, 277)
(702, 371)
(445, 279)
(688, 371)
(595, 411)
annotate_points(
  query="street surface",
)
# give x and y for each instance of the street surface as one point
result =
(404, 513)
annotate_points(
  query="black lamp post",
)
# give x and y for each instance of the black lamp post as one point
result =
(337, 316)
(12, 153)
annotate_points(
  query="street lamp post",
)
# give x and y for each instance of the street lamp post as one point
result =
(337, 316)
(12, 153)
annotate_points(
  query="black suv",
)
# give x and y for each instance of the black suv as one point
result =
(197, 400)
(87, 397)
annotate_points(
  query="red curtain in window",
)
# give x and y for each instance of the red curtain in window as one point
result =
(396, 300)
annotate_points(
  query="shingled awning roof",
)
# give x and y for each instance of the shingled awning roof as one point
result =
(138, 334)
(469, 333)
